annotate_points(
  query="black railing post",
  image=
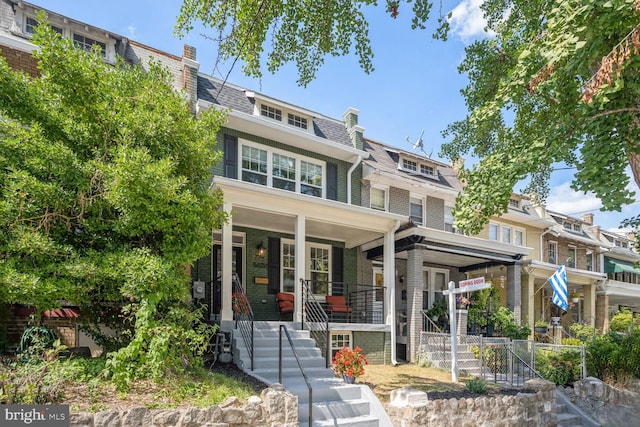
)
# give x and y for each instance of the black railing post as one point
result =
(280, 355)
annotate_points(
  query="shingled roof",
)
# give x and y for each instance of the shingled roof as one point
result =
(386, 158)
(211, 89)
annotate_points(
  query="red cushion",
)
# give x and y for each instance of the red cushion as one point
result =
(285, 306)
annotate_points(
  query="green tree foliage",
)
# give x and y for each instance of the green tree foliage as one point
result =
(300, 32)
(104, 197)
(558, 83)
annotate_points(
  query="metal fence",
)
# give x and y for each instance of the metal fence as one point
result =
(501, 360)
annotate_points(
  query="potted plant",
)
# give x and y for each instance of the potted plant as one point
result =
(541, 327)
(349, 363)
(437, 310)
(575, 297)
(462, 302)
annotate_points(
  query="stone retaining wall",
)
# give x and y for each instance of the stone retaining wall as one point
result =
(524, 409)
(275, 407)
(604, 403)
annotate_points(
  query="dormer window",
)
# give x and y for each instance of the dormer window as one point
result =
(576, 227)
(409, 165)
(87, 43)
(514, 203)
(31, 24)
(566, 225)
(271, 112)
(427, 170)
(297, 121)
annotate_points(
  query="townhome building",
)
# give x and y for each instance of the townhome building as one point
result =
(319, 214)
(430, 252)
(621, 288)
(566, 241)
(18, 21)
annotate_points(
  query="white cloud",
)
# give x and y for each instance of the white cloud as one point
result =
(564, 200)
(467, 20)
(132, 30)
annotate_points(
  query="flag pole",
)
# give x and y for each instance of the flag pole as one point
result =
(545, 282)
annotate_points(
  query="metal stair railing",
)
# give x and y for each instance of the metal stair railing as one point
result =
(295, 354)
(243, 315)
(428, 324)
(506, 365)
(316, 320)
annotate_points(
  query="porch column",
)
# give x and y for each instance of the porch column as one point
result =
(602, 313)
(528, 301)
(589, 304)
(300, 267)
(514, 293)
(389, 277)
(226, 314)
(414, 302)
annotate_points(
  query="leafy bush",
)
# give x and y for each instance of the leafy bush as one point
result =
(477, 385)
(560, 367)
(505, 320)
(623, 321)
(31, 380)
(571, 341)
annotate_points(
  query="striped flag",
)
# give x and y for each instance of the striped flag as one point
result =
(560, 291)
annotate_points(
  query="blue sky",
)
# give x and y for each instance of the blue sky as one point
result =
(415, 86)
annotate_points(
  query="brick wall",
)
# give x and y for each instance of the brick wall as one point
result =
(375, 345)
(399, 201)
(435, 213)
(21, 61)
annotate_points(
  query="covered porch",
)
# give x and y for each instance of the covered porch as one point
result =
(271, 229)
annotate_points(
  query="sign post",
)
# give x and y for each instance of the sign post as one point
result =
(470, 285)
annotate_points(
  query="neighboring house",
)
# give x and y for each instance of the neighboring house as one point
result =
(521, 226)
(621, 289)
(319, 211)
(567, 241)
(429, 251)
(17, 23)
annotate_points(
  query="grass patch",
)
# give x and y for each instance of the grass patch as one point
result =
(80, 383)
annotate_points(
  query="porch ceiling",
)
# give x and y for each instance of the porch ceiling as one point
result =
(260, 207)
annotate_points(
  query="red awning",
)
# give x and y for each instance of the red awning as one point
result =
(63, 312)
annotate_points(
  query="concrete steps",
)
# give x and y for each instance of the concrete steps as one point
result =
(334, 402)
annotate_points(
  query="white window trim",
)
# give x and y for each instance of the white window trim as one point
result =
(285, 108)
(307, 264)
(575, 256)
(68, 30)
(555, 244)
(299, 159)
(386, 196)
(423, 202)
(512, 240)
(282, 268)
(334, 333)
(418, 170)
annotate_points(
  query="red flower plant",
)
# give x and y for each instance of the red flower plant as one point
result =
(350, 363)
(239, 303)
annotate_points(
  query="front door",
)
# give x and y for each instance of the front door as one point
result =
(215, 291)
(377, 304)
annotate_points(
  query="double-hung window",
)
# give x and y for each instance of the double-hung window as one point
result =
(416, 210)
(254, 165)
(319, 268)
(310, 179)
(288, 266)
(552, 255)
(283, 170)
(378, 198)
(589, 259)
(572, 257)
(506, 234)
(493, 231)
(86, 43)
